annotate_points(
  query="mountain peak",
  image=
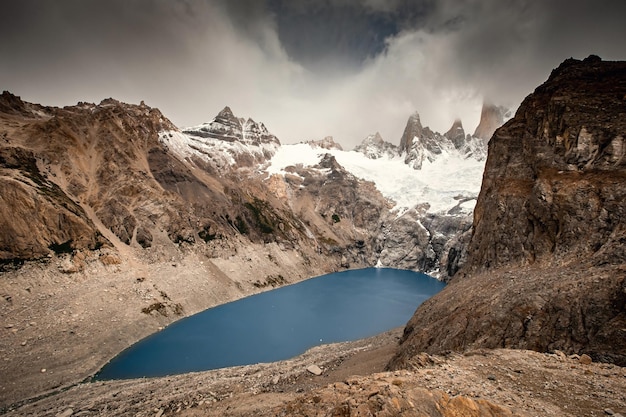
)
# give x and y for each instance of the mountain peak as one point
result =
(412, 130)
(491, 118)
(226, 113)
(374, 147)
(376, 138)
(456, 134)
(208, 141)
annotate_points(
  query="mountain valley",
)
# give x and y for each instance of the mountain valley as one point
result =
(115, 223)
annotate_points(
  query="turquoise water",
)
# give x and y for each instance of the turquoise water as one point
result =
(279, 324)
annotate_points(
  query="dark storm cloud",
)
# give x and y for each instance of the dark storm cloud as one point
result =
(342, 33)
(307, 68)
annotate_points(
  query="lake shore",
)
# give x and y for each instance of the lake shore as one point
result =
(504, 382)
(63, 320)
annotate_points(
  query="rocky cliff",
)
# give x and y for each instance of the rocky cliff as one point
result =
(546, 266)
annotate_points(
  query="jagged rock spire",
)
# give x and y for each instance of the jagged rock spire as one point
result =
(413, 129)
(491, 118)
(456, 134)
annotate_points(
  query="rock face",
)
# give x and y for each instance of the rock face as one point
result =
(560, 192)
(546, 263)
(46, 221)
(456, 134)
(343, 212)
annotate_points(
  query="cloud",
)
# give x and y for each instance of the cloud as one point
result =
(305, 68)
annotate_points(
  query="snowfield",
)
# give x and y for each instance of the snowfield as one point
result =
(445, 183)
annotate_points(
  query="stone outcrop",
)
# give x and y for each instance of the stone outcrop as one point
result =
(546, 263)
(387, 395)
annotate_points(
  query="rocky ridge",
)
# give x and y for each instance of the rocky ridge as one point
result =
(420, 144)
(545, 267)
(224, 142)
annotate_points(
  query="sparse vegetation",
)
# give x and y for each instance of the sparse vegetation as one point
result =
(205, 235)
(59, 248)
(241, 225)
(336, 218)
(271, 280)
(157, 306)
(262, 221)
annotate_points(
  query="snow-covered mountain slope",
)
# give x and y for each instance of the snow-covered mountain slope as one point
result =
(420, 144)
(405, 207)
(223, 142)
(448, 184)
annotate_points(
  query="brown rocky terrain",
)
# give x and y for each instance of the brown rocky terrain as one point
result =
(106, 235)
(497, 382)
(546, 263)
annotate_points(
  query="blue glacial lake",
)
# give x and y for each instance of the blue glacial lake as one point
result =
(279, 324)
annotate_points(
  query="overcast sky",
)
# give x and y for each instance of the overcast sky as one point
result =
(306, 68)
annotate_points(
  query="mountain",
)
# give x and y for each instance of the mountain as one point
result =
(491, 118)
(113, 199)
(545, 268)
(374, 147)
(224, 142)
(420, 145)
(110, 212)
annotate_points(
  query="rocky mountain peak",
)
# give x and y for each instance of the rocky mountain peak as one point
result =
(376, 138)
(491, 118)
(12, 104)
(225, 142)
(374, 147)
(456, 134)
(412, 130)
(227, 127)
(226, 114)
